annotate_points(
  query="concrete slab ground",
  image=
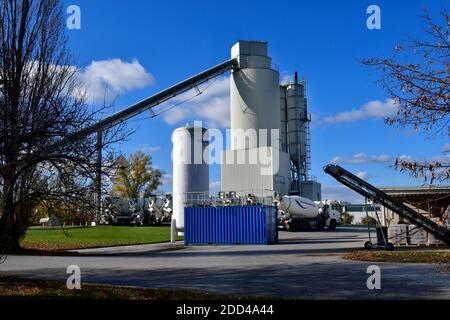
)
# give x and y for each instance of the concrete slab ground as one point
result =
(304, 265)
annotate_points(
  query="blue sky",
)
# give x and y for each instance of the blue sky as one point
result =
(145, 46)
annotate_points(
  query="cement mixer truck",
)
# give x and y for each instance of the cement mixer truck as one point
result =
(297, 214)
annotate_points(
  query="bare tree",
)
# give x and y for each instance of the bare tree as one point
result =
(417, 77)
(40, 104)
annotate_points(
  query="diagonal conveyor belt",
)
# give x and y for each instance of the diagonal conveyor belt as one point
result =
(370, 192)
(148, 103)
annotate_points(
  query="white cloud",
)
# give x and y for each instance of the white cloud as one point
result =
(340, 193)
(214, 187)
(362, 158)
(166, 179)
(113, 77)
(440, 159)
(372, 110)
(446, 148)
(212, 106)
(286, 79)
(149, 149)
(363, 175)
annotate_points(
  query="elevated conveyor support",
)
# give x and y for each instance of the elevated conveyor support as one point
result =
(370, 192)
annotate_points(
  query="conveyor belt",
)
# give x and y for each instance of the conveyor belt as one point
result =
(370, 192)
(148, 103)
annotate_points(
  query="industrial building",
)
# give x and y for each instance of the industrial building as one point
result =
(361, 211)
(430, 201)
(269, 155)
(259, 104)
(268, 162)
(269, 159)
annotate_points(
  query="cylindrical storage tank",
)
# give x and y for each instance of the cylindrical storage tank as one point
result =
(190, 170)
(254, 94)
(297, 118)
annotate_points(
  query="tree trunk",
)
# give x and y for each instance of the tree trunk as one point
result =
(9, 235)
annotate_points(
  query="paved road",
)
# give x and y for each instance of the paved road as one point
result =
(307, 265)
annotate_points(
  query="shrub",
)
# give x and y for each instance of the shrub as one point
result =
(369, 220)
(347, 218)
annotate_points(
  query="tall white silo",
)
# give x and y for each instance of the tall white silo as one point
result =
(254, 93)
(190, 170)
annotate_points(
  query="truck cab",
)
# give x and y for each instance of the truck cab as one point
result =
(331, 211)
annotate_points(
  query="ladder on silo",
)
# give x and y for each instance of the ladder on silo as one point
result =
(308, 145)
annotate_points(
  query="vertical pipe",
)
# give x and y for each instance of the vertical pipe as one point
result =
(98, 175)
(173, 231)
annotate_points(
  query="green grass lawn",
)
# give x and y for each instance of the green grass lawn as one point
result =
(90, 237)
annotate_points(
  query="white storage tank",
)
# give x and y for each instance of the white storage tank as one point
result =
(254, 93)
(190, 170)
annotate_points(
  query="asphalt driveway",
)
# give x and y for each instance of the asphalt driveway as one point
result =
(304, 265)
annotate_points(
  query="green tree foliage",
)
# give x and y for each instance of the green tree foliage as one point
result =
(53, 209)
(347, 218)
(135, 177)
(369, 220)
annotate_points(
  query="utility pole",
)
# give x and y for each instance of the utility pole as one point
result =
(98, 175)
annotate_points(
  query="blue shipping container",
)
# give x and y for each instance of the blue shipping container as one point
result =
(231, 225)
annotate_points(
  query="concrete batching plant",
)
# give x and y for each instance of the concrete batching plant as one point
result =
(269, 146)
(269, 154)
(270, 122)
(271, 119)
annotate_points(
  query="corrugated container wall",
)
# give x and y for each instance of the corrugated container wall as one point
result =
(255, 225)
